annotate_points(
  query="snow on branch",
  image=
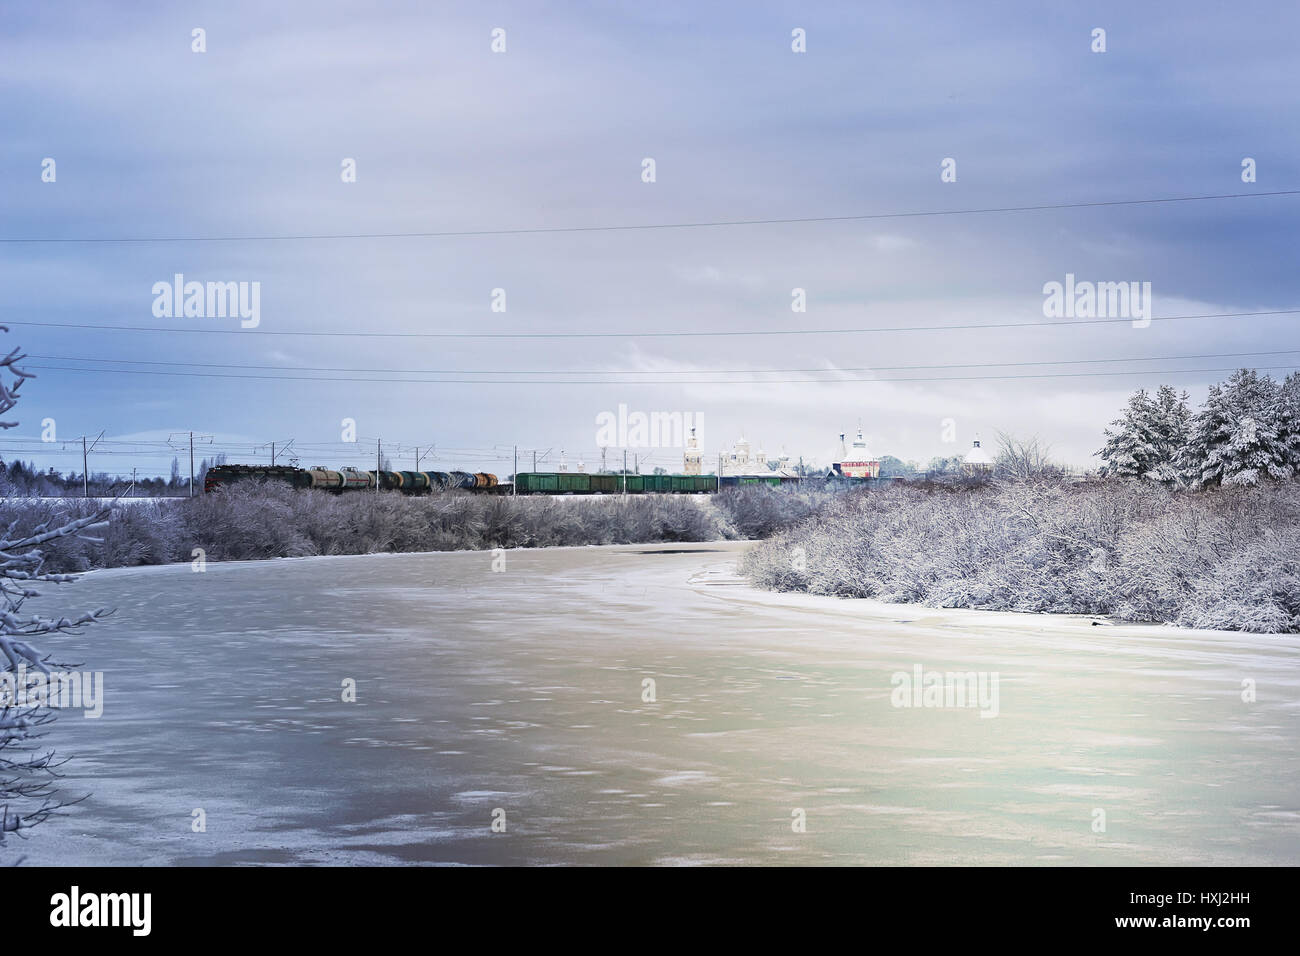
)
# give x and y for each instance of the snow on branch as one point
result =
(27, 772)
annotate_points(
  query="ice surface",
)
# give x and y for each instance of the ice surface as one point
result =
(522, 690)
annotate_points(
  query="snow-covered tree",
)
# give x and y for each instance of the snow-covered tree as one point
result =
(27, 771)
(1129, 447)
(1023, 459)
(891, 467)
(1149, 439)
(1289, 419)
(1240, 434)
(944, 466)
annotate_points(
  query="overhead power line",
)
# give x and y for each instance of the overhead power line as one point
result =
(726, 381)
(643, 227)
(713, 371)
(1051, 323)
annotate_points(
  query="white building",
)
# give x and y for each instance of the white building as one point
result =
(691, 460)
(977, 461)
(739, 461)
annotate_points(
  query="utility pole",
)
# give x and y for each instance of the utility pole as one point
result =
(624, 471)
(85, 463)
(534, 459)
(132, 495)
(191, 464)
(514, 477)
(277, 449)
(602, 461)
(379, 454)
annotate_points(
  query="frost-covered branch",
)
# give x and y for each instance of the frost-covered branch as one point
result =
(27, 771)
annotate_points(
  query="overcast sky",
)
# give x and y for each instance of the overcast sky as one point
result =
(247, 139)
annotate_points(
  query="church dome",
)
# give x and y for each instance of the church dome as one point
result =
(977, 455)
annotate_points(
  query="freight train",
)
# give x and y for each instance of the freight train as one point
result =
(526, 483)
(352, 479)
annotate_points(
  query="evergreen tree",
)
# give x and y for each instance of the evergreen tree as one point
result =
(1239, 435)
(1170, 435)
(891, 467)
(1149, 439)
(1289, 420)
(1130, 447)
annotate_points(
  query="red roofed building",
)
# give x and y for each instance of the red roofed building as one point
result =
(857, 462)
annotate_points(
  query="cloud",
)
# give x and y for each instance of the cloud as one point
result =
(247, 140)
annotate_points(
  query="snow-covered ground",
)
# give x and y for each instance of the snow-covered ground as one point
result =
(523, 691)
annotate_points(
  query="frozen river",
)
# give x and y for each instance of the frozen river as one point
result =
(519, 696)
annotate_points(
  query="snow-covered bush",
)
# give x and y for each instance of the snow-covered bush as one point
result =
(1224, 558)
(248, 521)
(1255, 589)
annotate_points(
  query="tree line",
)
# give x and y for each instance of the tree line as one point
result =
(24, 480)
(1247, 430)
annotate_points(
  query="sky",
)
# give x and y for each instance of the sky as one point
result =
(234, 156)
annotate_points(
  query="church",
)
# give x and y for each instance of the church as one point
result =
(856, 462)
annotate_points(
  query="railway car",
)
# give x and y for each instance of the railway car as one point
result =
(741, 481)
(582, 483)
(325, 478)
(387, 480)
(414, 482)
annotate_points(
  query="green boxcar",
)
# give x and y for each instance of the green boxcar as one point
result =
(531, 483)
(582, 483)
(576, 483)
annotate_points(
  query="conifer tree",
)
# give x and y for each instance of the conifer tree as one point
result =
(1148, 440)
(1239, 436)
